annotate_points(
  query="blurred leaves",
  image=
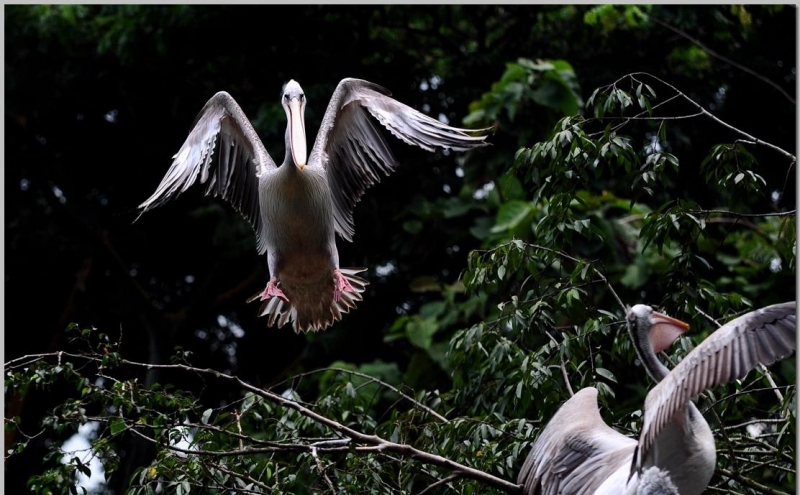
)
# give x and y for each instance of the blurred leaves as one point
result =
(508, 268)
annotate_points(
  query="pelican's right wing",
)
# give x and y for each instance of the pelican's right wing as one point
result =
(242, 160)
(762, 336)
(576, 452)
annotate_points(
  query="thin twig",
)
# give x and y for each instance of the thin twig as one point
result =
(321, 469)
(722, 57)
(247, 451)
(242, 476)
(772, 383)
(743, 215)
(707, 316)
(748, 482)
(755, 422)
(239, 427)
(441, 482)
(576, 260)
(383, 384)
(716, 119)
(563, 366)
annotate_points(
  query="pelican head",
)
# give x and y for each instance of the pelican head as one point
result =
(294, 103)
(659, 329)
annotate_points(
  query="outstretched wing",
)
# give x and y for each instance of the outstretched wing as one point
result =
(242, 159)
(762, 336)
(352, 150)
(576, 452)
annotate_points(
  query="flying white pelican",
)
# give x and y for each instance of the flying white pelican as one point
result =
(577, 453)
(296, 208)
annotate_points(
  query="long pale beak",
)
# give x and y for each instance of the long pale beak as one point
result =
(665, 331)
(297, 133)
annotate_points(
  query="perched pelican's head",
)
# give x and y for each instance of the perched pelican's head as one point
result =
(659, 329)
(294, 103)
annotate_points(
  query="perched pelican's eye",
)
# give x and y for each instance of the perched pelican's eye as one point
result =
(286, 96)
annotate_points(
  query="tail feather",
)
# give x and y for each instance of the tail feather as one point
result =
(280, 312)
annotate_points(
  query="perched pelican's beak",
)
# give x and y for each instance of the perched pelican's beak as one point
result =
(665, 331)
(297, 132)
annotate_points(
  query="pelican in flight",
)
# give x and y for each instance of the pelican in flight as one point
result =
(577, 453)
(296, 208)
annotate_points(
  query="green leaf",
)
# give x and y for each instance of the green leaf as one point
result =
(117, 426)
(420, 332)
(511, 214)
(606, 374)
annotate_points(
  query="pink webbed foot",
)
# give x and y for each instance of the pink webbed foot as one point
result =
(272, 290)
(342, 285)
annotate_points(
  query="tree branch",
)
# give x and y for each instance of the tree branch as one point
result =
(728, 61)
(748, 482)
(439, 483)
(383, 384)
(743, 215)
(378, 443)
(715, 118)
(595, 270)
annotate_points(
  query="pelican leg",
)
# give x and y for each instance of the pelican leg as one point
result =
(272, 290)
(342, 285)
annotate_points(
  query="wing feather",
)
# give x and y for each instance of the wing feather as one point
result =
(759, 337)
(242, 160)
(576, 451)
(353, 151)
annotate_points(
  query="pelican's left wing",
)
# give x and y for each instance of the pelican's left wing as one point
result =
(351, 149)
(762, 336)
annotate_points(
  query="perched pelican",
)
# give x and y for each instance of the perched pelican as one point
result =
(295, 209)
(577, 453)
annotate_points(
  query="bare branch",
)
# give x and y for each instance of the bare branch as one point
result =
(322, 469)
(563, 367)
(383, 384)
(748, 482)
(715, 118)
(441, 482)
(754, 422)
(743, 215)
(722, 58)
(707, 316)
(242, 476)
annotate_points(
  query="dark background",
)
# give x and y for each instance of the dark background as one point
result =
(99, 98)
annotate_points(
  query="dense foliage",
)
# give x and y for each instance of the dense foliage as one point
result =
(639, 154)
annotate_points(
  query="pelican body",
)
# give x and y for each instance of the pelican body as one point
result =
(296, 209)
(578, 453)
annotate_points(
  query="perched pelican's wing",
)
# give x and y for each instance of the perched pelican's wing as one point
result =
(352, 149)
(762, 336)
(242, 159)
(575, 452)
